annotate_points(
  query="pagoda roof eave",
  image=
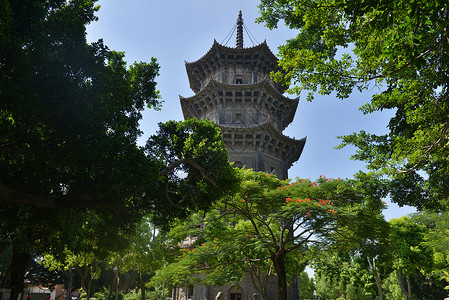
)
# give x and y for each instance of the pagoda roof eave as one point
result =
(265, 83)
(263, 47)
(297, 145)
(217, 48)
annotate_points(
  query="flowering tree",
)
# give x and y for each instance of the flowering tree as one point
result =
(269, 220)
(398, 48)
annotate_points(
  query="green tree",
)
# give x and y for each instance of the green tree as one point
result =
(400, 46)
(409, 251)
(307, 286)
(148, 252)
(437, 239)
(96, 237)
(193, 168)
(220, 253)
(70, 110)
(69, 123)
(401, 264)
(343, 274)
(270, 220)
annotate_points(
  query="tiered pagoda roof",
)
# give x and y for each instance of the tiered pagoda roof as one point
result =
(233, 88)
(278, 108)
(259, 56)
(263, 136)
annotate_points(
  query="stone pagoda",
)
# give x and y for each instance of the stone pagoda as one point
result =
(233, 88)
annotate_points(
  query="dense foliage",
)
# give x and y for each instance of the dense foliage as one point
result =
(74, 184)
(273, 227)
(399, 46)
(72, 172)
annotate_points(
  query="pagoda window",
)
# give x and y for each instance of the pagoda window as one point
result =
(238, 80)
(221, 117)
(238, 117)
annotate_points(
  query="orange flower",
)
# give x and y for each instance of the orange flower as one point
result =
(288, 200)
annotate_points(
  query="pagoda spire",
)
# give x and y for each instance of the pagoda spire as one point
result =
(240, 31)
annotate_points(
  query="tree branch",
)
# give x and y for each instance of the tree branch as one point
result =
(191, 162)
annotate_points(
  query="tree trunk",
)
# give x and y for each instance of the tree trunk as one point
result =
(69, 283)
(14, 276)
(278, 260)
(372, 266)
(409, 287)
(142, 286)
(262, 280)
(84, 277)
(117, 284)
(89, 285)
(406, 293)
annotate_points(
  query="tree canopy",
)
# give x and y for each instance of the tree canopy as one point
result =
(70, 115)
(272, 226)
(69, 123)
(70, 110)
(399, 46)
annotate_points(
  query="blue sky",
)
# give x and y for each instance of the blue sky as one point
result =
(178, 30)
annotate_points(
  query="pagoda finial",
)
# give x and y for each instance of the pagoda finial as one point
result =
(240, 31)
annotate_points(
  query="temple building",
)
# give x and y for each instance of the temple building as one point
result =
(233, 88)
